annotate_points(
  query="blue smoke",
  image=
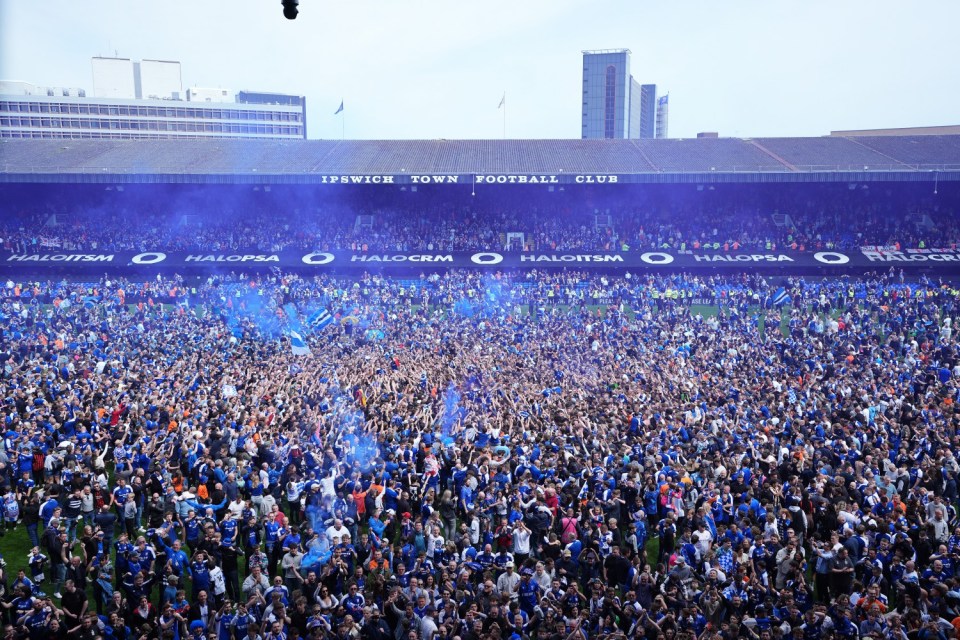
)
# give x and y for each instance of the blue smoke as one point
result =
(292, 317)
(497, 299)
(250, 312)
(452, 411)
(365, 451)
(464, 307)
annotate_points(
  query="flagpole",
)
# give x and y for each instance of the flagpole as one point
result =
(343, 121)
(504, 115)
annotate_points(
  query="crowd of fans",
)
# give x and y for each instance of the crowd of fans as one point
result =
(267, 220)
(563, 456)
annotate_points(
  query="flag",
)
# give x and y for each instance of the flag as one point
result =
(293, 320)
(502, 100)
(320, 320)
(339, 109)
(781, 297)
(297, 346)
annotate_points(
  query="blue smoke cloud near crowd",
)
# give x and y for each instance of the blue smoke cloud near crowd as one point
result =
(452, 412)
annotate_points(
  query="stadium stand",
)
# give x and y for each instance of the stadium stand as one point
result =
(314, 157)
(828, 154)
(717, 154)
(941, 152)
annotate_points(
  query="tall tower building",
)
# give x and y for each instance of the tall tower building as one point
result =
(663, 116)
(648, 110)
(607, 91)
(615, 105)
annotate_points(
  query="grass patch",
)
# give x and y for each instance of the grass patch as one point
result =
(15, 547)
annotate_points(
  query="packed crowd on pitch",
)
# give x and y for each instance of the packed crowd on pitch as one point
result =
(562, 456)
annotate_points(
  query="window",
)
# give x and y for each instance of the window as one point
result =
(610, 103)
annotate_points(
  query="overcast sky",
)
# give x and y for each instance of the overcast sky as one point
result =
(438, 68)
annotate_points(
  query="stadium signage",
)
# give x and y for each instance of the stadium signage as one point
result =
(742, 257)
(60, 257)
(435, 179)
(656, 258)
(152, 257)
(566, 257)
(485, 178)
(937, 261)
(318, 258)
(509, 178)
(515, 179)
(233, 258)
(831, 257)
(398, 257)
(356, 179)
(912, 255)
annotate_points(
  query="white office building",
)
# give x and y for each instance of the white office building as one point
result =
(145, 100)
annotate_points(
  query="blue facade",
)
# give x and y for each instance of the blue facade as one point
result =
(636, 103)
(648, 110)
(607, 89)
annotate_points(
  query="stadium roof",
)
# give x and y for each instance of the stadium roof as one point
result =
(308, 161)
